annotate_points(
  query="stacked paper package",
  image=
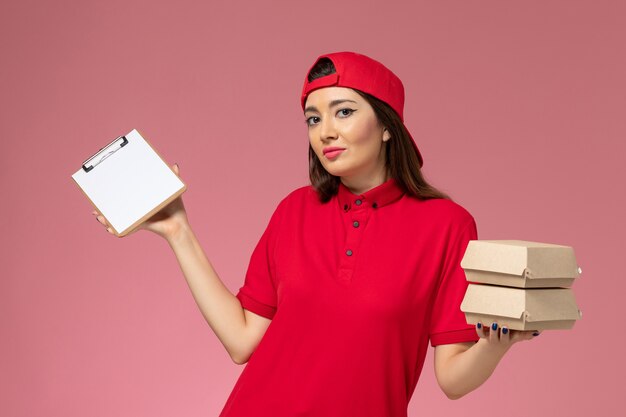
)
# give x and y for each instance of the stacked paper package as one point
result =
(523, 285)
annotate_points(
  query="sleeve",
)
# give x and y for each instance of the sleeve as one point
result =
(448, 324)
(258, 293)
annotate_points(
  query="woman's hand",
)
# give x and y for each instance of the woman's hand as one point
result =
(462, 367)
(501, 336)
(166, 223)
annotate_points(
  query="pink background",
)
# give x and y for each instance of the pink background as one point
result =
(518, 108)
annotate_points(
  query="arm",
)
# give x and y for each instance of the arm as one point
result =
(462, 367)
(239, 330)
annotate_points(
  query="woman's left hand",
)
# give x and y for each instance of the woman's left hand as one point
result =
(502, 336)
(462, 367)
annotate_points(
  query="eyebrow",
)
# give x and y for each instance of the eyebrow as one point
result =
(332, 104)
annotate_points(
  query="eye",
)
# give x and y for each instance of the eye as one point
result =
(343, 113)
(312, 120)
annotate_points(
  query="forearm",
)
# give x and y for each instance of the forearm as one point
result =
(221, 309)
(466, 371)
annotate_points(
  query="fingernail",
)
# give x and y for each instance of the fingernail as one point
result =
(478, 325)
(494, 326)
(505, 330)
(536, 334)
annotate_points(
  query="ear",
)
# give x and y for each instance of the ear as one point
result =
(386, 135)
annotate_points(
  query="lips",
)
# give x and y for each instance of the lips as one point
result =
(332, 149)
(332, 154)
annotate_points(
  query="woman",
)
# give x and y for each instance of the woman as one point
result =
(354, 274)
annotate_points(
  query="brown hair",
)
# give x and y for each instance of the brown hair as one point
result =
(401, 159)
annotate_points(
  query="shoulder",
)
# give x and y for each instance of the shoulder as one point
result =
(296, 200)
(301, 196)
(444, 212)
(449, 222)
(304, 192)
(436, 221)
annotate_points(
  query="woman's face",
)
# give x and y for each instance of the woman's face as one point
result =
(339, 117)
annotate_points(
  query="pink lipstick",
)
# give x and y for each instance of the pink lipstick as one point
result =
(332, 152)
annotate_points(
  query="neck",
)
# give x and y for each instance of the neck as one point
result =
(360, 185)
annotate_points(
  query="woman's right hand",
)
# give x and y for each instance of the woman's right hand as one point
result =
(169, 221)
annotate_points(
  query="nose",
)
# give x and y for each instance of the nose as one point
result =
(327, 130)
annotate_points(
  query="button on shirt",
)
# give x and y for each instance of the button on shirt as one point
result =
(356, 288)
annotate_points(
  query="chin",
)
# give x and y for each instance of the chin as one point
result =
(337, 172)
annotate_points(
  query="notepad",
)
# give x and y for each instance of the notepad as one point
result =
(128, 182)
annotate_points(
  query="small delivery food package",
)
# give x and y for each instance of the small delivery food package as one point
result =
(519, 263)
(521, 309)
(520, 284)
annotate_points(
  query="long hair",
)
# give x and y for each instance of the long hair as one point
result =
(401, 161)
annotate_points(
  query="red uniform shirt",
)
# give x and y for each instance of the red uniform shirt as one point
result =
(355, 288)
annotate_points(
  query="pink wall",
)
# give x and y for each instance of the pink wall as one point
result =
(518, 108)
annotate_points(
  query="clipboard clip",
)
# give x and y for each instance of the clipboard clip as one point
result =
(104, 153)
